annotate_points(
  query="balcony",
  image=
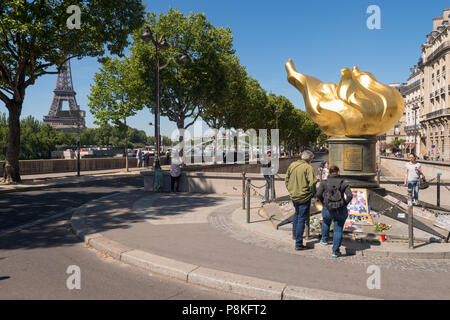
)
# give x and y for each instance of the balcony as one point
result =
(412, 127)
(436, 52)
(438, 113)
(411, 86)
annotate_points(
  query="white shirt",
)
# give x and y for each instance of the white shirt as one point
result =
(413, 175)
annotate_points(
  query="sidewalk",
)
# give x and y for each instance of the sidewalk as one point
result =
(52, 180)
(204, 239)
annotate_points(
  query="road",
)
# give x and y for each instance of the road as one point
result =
(34, 261)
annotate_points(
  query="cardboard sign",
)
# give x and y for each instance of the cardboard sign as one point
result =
(417, 211)
(287, 208)
(443, 222)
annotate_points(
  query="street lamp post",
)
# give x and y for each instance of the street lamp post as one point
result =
(277, 114)
(162, 44)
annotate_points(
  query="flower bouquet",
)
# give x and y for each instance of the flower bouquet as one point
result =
(381, 227)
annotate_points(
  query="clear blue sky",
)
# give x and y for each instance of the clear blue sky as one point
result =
(320, 36)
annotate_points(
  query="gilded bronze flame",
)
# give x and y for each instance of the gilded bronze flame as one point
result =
(358, 106)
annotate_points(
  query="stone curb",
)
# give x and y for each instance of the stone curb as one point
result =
(251, 287)
(364, 253)
(65, 184)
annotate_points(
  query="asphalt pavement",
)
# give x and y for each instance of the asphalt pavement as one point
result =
(34, 261)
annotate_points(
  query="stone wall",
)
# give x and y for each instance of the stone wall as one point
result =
(396, 167)
(29, 167)
(283, 164)
(216, 182)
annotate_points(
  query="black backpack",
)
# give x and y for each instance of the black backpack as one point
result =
(332, 196)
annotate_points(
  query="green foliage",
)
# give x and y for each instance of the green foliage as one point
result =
(110, 99)
(398, 142)
(185, 86)
(35, 40)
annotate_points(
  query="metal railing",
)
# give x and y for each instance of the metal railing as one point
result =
(247, 186)
(438, 113)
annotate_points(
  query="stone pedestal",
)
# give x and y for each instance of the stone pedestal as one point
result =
(356, 159)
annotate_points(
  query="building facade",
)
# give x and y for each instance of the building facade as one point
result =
(386, 140)
(412, 94)
(434, 85)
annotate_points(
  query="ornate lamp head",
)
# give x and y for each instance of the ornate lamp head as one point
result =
(358, 106)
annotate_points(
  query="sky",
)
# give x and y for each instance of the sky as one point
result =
(321, 37)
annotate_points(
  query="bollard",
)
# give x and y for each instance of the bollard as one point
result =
(273, 187)
(378, 176)
(438, 189)
(410, 218)
(247, 191)
(243, 190)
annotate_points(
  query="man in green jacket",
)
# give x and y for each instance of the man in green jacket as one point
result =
(301, 183)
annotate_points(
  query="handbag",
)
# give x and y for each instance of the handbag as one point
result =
(423, 183)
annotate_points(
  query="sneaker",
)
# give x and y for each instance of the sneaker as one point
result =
(323, 243)
(301, 248)
(336, 254)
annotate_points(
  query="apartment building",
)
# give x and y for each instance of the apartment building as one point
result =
(435, 90)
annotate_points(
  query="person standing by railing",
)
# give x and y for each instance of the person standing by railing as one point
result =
(138, 157)
(266, 169)
(413, 171)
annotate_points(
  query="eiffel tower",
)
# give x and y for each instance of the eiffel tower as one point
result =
(65, 120)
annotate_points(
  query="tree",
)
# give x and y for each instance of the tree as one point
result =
(185, 87)
(110, 99)
(35, 40)
(222, 107)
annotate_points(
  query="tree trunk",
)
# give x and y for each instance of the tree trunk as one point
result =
(11, 169)
(126, 144)
(180, 126)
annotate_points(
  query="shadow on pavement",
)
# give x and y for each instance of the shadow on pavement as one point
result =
(118, 213)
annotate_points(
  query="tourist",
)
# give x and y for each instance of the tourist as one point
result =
(325, 171)
(266, 169)
(335, 194)
(168, 156)
(175, 174)
(301, 183)
(413, 171)
(147, 158)
(138, 157)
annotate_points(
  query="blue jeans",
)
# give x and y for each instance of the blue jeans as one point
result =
(338, 216)
(298, 224)
(268, 186)
(415, 186)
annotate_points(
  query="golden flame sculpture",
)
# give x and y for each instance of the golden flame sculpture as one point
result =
(358, 106)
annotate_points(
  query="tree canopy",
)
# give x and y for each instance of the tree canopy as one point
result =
(35, 40)
(184, 86)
